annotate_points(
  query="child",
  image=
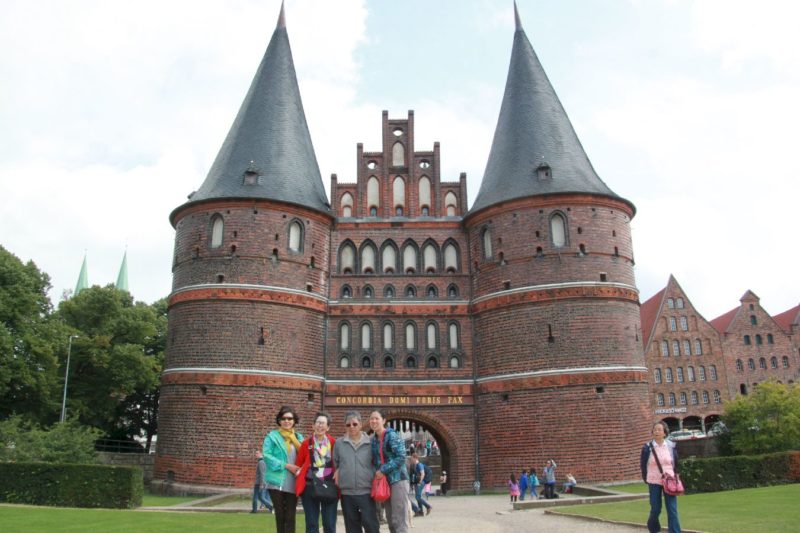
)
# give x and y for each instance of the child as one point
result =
(533, 482)
(513, 488)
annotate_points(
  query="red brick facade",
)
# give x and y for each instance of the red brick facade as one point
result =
(511, 356)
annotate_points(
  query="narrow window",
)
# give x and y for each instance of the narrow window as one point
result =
(295, 237)
(747, 340)
(773, 362)
(751, 364)
(409, 259)
(388, 337)
(217, 227)
(660, 399)
(398, 155)
(702, 372)
(679, 374)
(739, 365)
(698, 347)
(753, 320)
(694, 398)
(450, 258)
(676, 348)
(657, 375)
(389, 258)
(717, 397)
(429, 258)
(347, 204)
(770, 339)
(705, 396)
(687, 347)
(683, 398)
(673, 324)
(399, 193)
(671, 398)
(759, 340)
(668, 375)
(366, 337)
(684, 324)
(344, 336)
(368, 259)
(679, 303)
(690, 371)
(665, 348)
(670, 303)
(558, 230)
(411, 337)
(785, 362)
(452, 331)
(347, 260)
(424, 195)
(762, 363)
(712, 370)
(486, 238)
(347, 292)
(431, 336)
(451, 204)
(373, 195)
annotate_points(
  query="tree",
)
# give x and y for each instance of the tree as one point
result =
(31, 342)
(767, 420)
(69, 442)
(116, 360)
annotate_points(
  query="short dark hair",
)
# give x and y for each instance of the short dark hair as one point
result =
(283, 411)
(326, 415)
(663, 425)
(379, 411)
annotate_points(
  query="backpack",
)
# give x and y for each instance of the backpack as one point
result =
(428, 475)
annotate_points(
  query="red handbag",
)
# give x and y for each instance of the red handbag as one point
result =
(672, 485)
(381, 491)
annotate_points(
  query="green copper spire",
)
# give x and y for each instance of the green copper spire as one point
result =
(83, 278)
(122, 278)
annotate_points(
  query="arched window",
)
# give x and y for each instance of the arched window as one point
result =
(366, 362)
(486, 239)
(785, 360)
(665, 348)
(373, 195)
(657, 375)
(712, 370)
(411, 362)
(668, 375)
(690, 371)
(739, 365)
(683, 398)
(344, 336)
(770, 339)
(388, 336)
(399, 193)
(410, 259)
(762, 363)
(452, 291)
(388, 292)
(344, 362)
(347, 292)
(295, 236)
(347, 204)
(698, 347)
(368, 292)
(451, 204)
(347, 259)
(687, 347)
(679, 374)
(759, 340)
(366, 336)
(671, 398)
(217, 228)
(751, 364)
(411, 336)
(452, 336)
(747, 340)
(431, 336)
(431, 291)
(679, 303)
(388, 361)
(753, 320)
(389, 257)
(450, 258)
(670, 303)
(660, 399)
(425, 195)
(702, 371)
(705, 396)
(717, 397)
(433, 361)
(429, 258)
(694, 398)
(398, 155)
(411, 291)
(455, 362)
(673, 324)
(558, 230)
(368, 258)
(773, 362)
(676, 348)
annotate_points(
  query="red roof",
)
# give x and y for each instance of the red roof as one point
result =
(787, 318)
(648, 312)
(722, 322)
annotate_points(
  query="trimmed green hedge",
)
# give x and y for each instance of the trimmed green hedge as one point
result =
(66, 485)
(740, 471)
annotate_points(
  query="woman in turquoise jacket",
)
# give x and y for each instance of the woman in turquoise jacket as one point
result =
(280, 453)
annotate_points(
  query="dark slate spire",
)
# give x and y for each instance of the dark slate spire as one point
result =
(535, 149)
(268, 151)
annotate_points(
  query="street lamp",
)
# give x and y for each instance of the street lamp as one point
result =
(66, 379)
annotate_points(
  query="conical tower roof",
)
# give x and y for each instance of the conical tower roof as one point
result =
(268, 152)
(83, 278)
(122, 277)
(535, 150)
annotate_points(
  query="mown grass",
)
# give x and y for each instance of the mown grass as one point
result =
(736, 511)
(632, 488)
(157, 500)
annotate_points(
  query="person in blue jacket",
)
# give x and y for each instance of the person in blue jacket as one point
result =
(280, 453)
(392, 464)
(523, 484)
(668, 457)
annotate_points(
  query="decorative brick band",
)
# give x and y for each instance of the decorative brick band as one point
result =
(555, 200)
(256, 293)
(562, 378)
(227, 377)
(549, 293)
(255, 203)
(410, 308)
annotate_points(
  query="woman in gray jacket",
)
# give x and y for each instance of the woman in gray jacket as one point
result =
(352, 456)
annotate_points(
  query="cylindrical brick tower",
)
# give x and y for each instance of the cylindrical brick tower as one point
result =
(250, 274)
(560, 372)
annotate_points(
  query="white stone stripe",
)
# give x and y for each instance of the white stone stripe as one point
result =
(265, 288)
(562, 371)
(394, 303)
(246, 371)
(551, 286)
(400, 382)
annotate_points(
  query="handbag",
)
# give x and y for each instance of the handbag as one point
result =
(381, 491)
(324, 490)
(672, 485)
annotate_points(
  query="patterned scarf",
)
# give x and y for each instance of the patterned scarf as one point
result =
(322, 457)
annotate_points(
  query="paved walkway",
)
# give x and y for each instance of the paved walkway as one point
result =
(485, 514)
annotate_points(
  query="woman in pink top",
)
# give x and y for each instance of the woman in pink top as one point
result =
(668, 456)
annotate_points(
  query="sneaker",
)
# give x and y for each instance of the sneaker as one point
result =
(428, 510)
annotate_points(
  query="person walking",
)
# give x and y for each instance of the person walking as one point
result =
(533, 482)
(352, 457)
(389, 459)
(315, 460)
(523, 484)
(260, 494)
(668, 457)
(280, 453)
(418, 484)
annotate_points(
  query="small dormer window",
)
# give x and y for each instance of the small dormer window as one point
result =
(543, 172)
(251, 177)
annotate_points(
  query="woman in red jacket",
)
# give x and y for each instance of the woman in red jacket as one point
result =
(315, 460)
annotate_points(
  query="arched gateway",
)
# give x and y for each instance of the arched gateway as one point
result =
(493, 328)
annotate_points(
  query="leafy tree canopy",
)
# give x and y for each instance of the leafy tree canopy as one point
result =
(64, 443)
(766, 420)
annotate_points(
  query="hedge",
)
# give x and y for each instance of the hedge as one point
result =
(740, 471)
(71, 485)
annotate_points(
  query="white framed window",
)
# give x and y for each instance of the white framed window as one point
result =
(698, 347)
(295, 236)
(411, 337)
(687, 347)
(344, 336)
(399, 193)
(452, 331)
(712, 370)
(676, 348)
(684, 324)
(366, 337)
(558, 230)
(665, 348)
(388, 337)
(657, 375)
(673, 324)
(702, 372)
(705, 396)
(690, 371)
(430, 333)
(660, 399)
(694, 398)
(668, 375)
(683, 398)
(217, 228)
(679, 374)
(373, 195)
(717, 397)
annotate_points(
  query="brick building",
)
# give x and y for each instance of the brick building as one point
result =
(510, 331)
(696, 365)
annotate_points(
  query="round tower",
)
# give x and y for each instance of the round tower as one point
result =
(249, 295)
(555, 306)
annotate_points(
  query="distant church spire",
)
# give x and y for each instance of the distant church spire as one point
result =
(535, 150)
(83, 278)
(122, 277)
(268, 153)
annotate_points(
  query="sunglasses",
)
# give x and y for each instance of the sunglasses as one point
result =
(351, 425)
(287, 419)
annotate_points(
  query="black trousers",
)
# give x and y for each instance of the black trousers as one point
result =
(285, 507)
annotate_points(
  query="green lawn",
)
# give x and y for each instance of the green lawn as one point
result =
(156, 500)
(735, 511)
(632, 488)
(101, 520)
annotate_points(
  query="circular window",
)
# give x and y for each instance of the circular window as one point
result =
(397, 132)
(372, 165)
(424, 163)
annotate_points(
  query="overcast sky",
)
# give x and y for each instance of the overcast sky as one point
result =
(112, 112)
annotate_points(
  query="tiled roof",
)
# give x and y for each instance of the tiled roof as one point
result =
(722, 322)
(649, 312)
(787, 318)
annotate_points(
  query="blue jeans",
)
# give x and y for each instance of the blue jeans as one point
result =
(418, 493)
(671, 502)
(522, 493)
(360, 514)
(260, 495)
(312, 507)
(534, 494)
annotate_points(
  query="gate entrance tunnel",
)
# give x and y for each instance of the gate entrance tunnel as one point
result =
(428, 444)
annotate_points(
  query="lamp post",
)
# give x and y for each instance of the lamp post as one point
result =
(66, 379)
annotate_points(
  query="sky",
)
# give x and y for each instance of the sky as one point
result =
(112, 112)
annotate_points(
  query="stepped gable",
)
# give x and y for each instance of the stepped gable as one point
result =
(535, 150)
(268, 152)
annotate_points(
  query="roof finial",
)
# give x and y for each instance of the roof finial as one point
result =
(281, 18)
(517, 22)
